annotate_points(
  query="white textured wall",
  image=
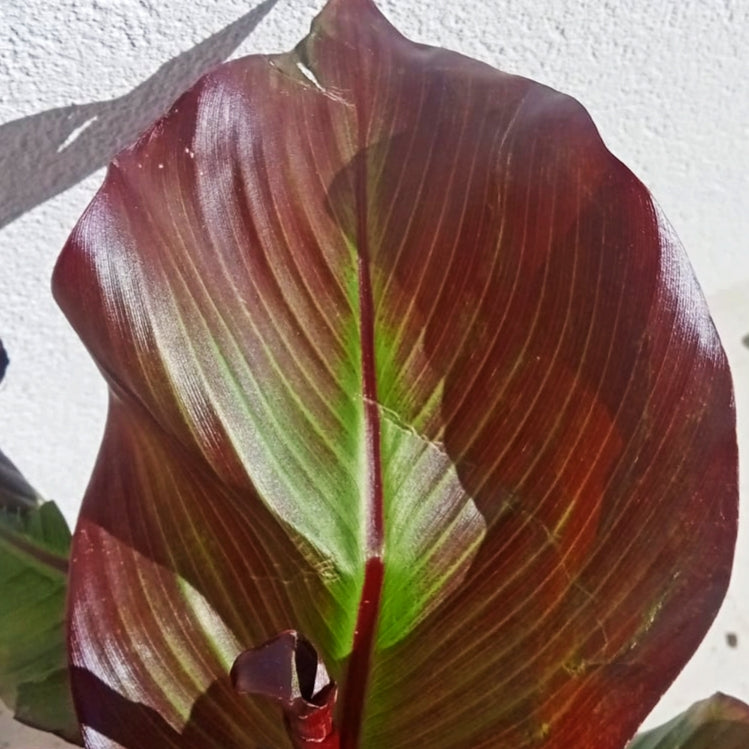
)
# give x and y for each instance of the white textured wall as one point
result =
(667, 83)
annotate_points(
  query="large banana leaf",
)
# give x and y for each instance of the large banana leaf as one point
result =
(401, 358)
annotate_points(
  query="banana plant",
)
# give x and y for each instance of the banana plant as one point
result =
(419, 431)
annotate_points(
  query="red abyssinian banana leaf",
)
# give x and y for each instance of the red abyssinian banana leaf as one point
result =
(406, 365)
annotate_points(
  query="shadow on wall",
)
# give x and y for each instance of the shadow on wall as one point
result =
(46, 153)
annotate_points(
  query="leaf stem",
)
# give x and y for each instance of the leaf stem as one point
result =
(358, 667)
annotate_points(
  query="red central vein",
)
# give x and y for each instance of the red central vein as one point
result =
(369, 604)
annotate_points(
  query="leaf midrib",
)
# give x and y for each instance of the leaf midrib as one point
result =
(365, 631)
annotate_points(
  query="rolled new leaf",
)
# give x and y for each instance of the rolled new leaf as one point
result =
(400, 357)
(720, 722)
(287, 669)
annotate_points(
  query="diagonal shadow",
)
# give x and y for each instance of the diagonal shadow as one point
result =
(133, 724)
(46, 153)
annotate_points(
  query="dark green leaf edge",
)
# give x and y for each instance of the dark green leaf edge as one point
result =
(719, 722)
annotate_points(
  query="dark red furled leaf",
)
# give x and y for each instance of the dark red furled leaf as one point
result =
(720, 722)
(288, 670)
(402, 358)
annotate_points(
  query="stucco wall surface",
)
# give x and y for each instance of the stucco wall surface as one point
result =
(667, 84)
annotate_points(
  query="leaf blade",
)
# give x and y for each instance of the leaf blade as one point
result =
(548, 385)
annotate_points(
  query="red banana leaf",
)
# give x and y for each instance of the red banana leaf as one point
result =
(402, 359)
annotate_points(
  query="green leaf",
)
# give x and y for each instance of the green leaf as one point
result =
(34, 546)
(720, 722)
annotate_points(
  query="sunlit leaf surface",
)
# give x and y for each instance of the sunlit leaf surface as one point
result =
(403, 359)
